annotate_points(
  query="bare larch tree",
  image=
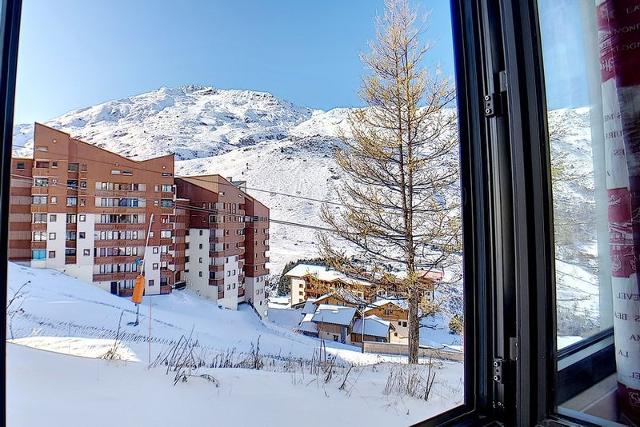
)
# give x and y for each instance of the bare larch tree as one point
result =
(401, 200)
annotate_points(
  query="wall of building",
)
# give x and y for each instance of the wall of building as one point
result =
(297, 290)
(329, 331)
(196, 272)
(19, 244)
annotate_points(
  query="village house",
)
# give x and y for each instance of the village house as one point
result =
(371, 328)
(395, 311)
(313, 281)
(329, 322)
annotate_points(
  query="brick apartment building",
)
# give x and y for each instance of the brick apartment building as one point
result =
(95, 215)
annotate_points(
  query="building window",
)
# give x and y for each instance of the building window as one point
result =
(73, 167)
(86, 252)
(200, 260)
(70, 252)
(39, 218)
(81, 235)
(71, 218)
(44, 165)
(54, 164)
(54, 200)
(167, 188)
(156, 266)
(72, 201)
(40, 182)
(53, 218)
(200, 246)
(82, 218)
(155, 250)
(52, 254)
(151, 282)
(39, 200)
(20, 166)
(200, 273)
(52, 236)
(164, 234)
(38, 254)
(200, 231)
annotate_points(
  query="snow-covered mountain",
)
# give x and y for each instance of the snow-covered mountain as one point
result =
(278, 147)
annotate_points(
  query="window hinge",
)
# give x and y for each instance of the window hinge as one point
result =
(493, 101)
(498, 370)
(491, 105)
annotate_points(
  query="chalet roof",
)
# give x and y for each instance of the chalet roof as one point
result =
(323, 273)
(309, 306)
(341, 294)
(307, 325)
(373, 326)
(334, 314)
(400, 303)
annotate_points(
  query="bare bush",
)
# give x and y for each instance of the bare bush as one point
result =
(414, 381)
(114, 351)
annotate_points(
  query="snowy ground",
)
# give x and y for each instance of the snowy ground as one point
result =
(60, 318)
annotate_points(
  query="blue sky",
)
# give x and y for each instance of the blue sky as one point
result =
(76, 53)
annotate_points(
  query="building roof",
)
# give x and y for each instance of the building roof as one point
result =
(307, 325)
(373, 326)
(401, 303)
(323, 273)
(309, 307)
(334, 314)
(342, 294)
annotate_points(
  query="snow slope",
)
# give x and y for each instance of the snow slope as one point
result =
(58, 318)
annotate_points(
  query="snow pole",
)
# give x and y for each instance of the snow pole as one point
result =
(138, 287)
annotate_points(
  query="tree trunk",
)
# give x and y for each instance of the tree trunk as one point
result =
(414, 327)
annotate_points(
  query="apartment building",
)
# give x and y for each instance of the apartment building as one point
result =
(95, 215)
(227, 237)
(98, 216)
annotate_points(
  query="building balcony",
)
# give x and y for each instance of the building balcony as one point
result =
(241, 292)
(216, 282)
(69, 259)
(166, 241)
(122, 259)
(39, 191)
(40, 244)
(39, 208)
(220, 293)
(165, 289)
(108, 277)
(166, 257)
(216, 254)
(120, 226)
(216, 267)
(125, 292)
(122, 242)
(121, 209)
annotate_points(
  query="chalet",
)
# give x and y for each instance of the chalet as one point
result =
(372, 328)
(312, 281)
(329, 322)
(395, 311)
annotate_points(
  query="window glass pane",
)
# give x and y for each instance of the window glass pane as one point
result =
(591, 52)
(312, 213)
